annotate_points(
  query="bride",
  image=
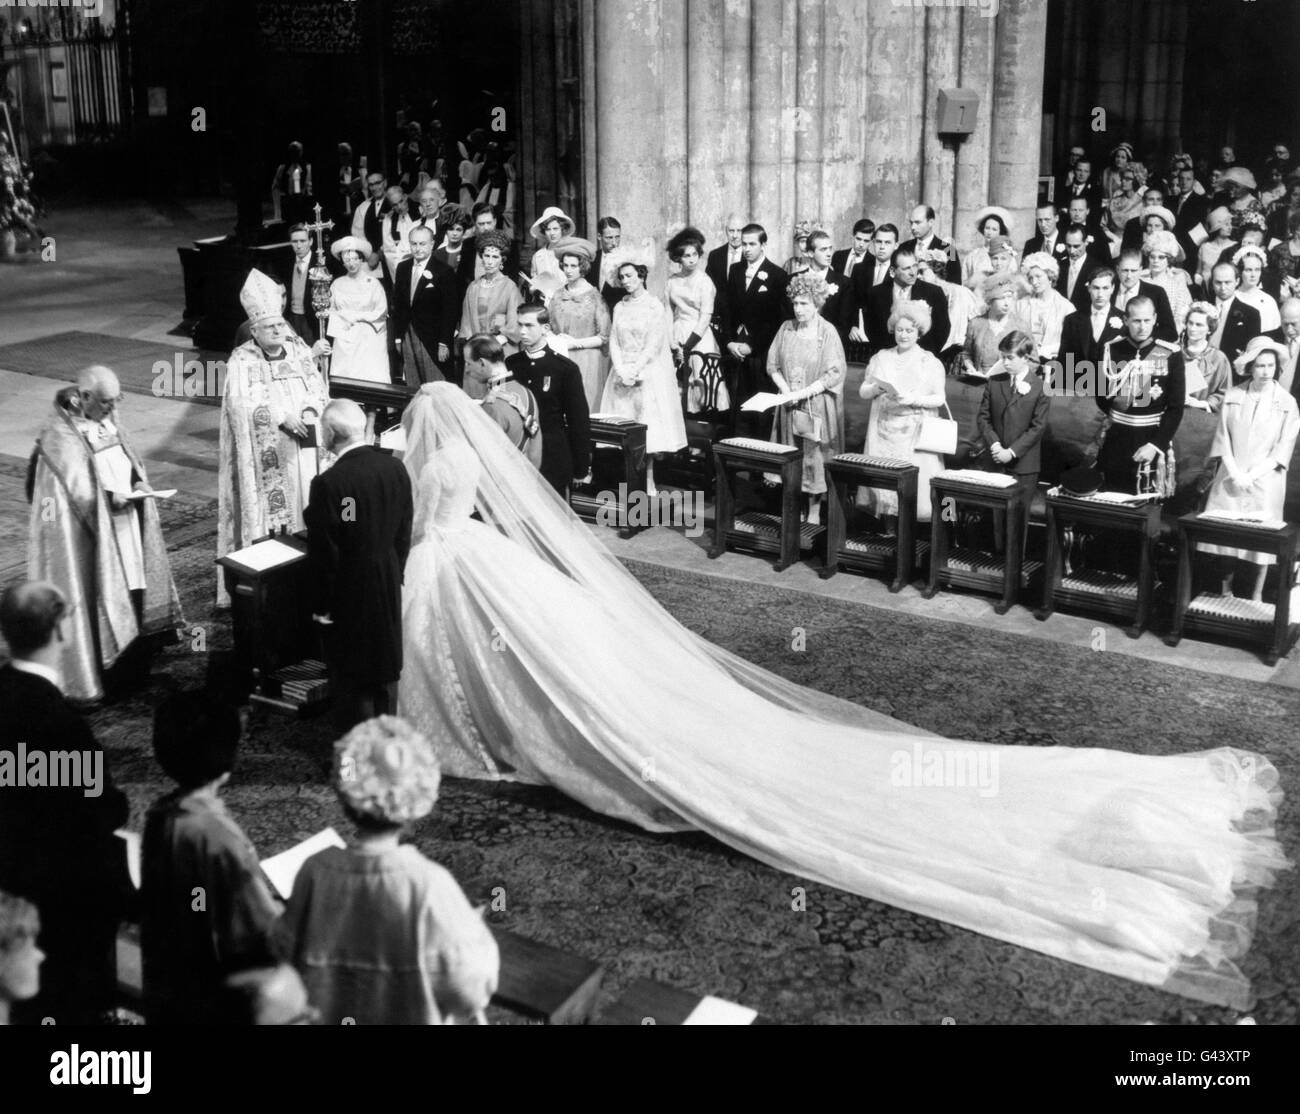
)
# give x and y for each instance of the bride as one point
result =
(533, 656)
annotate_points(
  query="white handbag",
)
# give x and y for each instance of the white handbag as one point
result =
(937, 435)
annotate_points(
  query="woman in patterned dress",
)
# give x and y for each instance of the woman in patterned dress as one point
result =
(806, 360)
(642, 384)
(579, 317)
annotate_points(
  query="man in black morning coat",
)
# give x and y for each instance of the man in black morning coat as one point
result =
(562, 411)
(359, 518)
(57, 847)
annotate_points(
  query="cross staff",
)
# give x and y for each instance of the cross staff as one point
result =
(320, 282)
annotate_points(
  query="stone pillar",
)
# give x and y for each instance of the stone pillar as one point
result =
(708, 187)
(843, 103)
(808, 115)
(891, 159)
(943, 38)
(971, 172)
(1016, 108)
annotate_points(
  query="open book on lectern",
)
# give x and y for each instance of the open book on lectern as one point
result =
(266, 554)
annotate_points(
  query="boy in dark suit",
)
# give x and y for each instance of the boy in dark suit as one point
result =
(1012, 419)
(359, 521)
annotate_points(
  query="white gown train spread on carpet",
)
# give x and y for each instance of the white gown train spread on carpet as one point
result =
(531, 654)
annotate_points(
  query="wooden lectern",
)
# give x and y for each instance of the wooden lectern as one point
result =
(271, 616)
(864, 550)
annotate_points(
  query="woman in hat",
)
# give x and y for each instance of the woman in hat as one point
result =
(499, 606)
(1251, 261)
(380, 934)
(1257, 432)
(1160, 250)
(1238, 184)
(642, 383)
(580, 317)
(905, 384)
(691, 295)
(983, 339)
(548, 230)
(1043, 309)
(806, 360)
(20, 958)
(1121, 159)
(358, 316)
(963, 303)
(799, 261)
(1284, 262)
(1202, 361)
(1212, 250)
(990, 222)
(492, 301)
(1125, 199)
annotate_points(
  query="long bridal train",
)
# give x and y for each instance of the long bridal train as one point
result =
(533, 655)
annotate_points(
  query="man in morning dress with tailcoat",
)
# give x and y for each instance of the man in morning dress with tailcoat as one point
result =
(106, 553)
(273, 395)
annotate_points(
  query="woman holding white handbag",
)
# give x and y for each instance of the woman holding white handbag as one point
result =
(906, 387)
(806, 361)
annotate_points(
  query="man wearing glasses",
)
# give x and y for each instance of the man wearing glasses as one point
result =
(1129, 269)
(367, 221)
(95, 532)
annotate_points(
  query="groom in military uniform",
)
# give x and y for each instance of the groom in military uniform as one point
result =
(556, 384)
(1143, 392)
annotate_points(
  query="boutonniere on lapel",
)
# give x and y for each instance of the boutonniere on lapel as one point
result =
(1060, 248)
(1022, 386)
(1116, 323)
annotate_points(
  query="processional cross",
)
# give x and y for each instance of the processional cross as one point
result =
(319, 277)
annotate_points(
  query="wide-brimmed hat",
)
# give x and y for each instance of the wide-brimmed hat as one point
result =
(385, 769)
(351, 243)
(1159, 211)
(1240, 176)
(1166, 243)
(260, 297)
(575, 245)
(1255, 347)
(553, 212)
(992, 211)
(1218, 219)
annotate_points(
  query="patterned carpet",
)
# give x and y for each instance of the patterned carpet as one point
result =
(692, 913)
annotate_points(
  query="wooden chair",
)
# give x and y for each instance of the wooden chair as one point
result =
(705, 426)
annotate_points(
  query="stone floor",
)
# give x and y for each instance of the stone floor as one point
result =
(116, 272)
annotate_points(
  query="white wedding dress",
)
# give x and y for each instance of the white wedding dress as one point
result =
(532, 655)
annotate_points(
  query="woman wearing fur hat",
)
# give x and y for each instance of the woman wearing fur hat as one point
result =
(380, 934)
(1251, 261)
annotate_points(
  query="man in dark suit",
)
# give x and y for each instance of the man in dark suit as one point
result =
(57, 847)
(603, 274)
(846, 260)
(556, 384)
(1131, 285)
(1288, 335)
(1238, 323)
(720, 259)
(755, 307)
(1048, 234)
(294, 279)
(367, 218)
(1084, 185)
(1189, 207)
(873, 271)
(1081, 259)
(359, 518)
(1011, 421)
(1086, 332)
(1078, 211)
(426, 309)
(906, 287)
(923, 239)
